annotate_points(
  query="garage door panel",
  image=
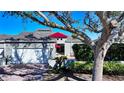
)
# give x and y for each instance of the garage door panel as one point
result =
(30, 55)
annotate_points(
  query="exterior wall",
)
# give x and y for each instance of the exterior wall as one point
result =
(12, 51)
(47, 51)
(54, 50)
(7, 53)
(67, 45)
(68, 49)
(31, 51)
(59, 41)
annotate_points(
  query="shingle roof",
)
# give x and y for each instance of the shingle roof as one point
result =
(28, 36)
(72, 40)
(38, 36)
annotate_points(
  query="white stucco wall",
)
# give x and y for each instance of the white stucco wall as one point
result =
(68, 49)
(53, 51)
(59, 41)
(32, 53)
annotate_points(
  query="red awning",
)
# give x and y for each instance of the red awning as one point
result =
(58, 35)
(57, 46)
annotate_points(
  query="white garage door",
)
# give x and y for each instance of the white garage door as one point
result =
(1, 53)
(1, 56)
(31, 55)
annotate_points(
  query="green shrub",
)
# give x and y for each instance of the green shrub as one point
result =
(80, 67)
(112, 68)
(59, 61)
(109, 68)
(82, 52)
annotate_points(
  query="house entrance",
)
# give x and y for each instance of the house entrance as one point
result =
(60, 49)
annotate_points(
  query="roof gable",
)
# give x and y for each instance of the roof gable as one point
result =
(58, 35)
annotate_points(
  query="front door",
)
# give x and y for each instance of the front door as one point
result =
(60, 49)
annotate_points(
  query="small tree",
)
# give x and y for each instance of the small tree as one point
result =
(109, 24)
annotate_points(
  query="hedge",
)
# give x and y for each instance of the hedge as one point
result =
(110, 68)
(83, 52)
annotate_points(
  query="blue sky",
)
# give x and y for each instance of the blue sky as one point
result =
(14, 25)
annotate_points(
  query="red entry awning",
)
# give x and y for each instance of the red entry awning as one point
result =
(58, 35)
(57, 46)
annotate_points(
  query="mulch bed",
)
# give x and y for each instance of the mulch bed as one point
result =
(38, 72)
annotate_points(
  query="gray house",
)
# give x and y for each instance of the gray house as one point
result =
(39, 46)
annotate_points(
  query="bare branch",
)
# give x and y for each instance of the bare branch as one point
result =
(104, 23)
(61, 19)
(91, 25)
(88, 26)
(120, 17)
(42, 15)
(87, 40)
(106, 14)
(106, 29)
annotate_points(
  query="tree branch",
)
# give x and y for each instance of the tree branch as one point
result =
(61, 19)
(120, 17)
(106, 29)
(87, 40)
(106, 14)
(42, 15)
(103, 19)
(90, 25)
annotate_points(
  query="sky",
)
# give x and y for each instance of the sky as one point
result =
(14, 25)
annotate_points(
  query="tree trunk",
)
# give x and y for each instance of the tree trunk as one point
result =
(99, 55)
(98, 66)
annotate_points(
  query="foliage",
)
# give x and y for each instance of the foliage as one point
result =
(110, 68)
(84, 53)
(80, 67)
(115, 53)
(59, 61)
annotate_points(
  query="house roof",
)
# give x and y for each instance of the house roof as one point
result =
(28, 36)
(72, 40)
(57, 35)
(38, 36)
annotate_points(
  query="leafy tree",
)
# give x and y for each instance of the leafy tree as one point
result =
(108, 23)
